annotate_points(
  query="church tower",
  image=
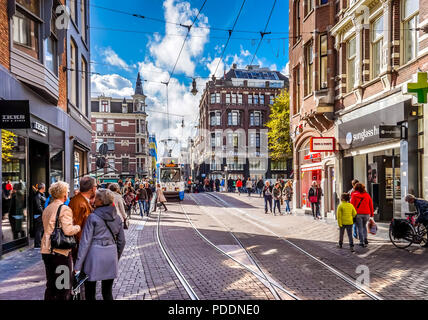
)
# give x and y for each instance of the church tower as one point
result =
(139, 99)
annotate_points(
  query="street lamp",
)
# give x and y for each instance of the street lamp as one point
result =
(194, 91)
(226, 182)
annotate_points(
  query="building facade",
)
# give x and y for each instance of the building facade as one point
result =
(232, 139)
(378, 47)
(122, 125)
(44, 97)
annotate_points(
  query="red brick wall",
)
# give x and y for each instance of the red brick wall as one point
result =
(62, 77)
(4, 35)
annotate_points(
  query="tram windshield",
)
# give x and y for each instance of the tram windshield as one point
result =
(170, 175)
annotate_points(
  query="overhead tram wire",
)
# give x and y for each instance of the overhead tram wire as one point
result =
(228, 39)
(262, 34)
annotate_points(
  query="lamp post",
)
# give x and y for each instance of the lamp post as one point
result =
(226, 182)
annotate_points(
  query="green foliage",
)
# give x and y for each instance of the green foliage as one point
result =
(280, 144)
(7, 144)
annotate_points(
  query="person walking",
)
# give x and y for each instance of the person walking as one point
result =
(38, 207)
(54, 258)
(142, 199)
(101, 246)
(353, 182)
(277, 195)
(17, 209)
(217, 185)
(81, 206)
(363, 204)
(239, 185)
(315, 194)
(160, 197)
(119, 203)
(260, 185)
(249, 186)
(149, 198)
(288, 195)
(267, 195)
(129, 199)
(345, 219)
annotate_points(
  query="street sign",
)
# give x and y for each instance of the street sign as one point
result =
(420, 87)
(103, 149)
(101, 162)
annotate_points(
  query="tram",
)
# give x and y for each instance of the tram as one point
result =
(170, 178)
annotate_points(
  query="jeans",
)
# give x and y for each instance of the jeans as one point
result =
(249, 191)
(106, 289)
(348, 229)
(38, 231)
(259, 191)
(287, 206)
(268, 200)
(277, 204)
(361, 222)
(141, 205)
(315, 209)
(52, 261)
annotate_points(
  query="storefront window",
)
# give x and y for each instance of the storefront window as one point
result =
(14, 199)
(57, 166)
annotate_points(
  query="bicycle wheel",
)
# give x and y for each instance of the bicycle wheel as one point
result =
(402, 242)
(422, 234)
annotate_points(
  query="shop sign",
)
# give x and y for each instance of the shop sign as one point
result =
(14, 114)
(307, 169)
(393, 132)
(39, 128)
(322, 144)
(313, 156)
(365, 130)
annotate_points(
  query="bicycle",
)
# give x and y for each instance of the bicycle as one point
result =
(404, 232)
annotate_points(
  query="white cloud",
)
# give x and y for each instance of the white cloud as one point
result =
(113, 59)
(286, 70)
(213, 65)
(111, 85)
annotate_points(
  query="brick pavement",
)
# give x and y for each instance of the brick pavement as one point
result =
(394, 273)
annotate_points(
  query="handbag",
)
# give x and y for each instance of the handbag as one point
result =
(372, 227)
(58, 239)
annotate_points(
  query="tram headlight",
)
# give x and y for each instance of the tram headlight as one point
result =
(163, 189)
(177, 189)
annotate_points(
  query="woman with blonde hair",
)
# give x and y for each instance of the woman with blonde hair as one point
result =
(53, 258)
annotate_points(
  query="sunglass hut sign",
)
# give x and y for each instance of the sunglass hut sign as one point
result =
(360, 137)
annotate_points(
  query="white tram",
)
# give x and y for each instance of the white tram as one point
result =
(170, 178)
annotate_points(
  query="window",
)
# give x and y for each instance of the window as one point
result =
(212, 97)
(351, 63)
(233, 98)
(111, 165)
(217, 98)
(124, 108)
(140, 126)
(297, 21)
(323, 61)
(110, 125)
(410, 22)
(298, 90)
(110, 143)
(100, 125)
(227, 97)
(212, 140)
(255, 140)
(279, 165)
(99, 143)
(250, 99)
(271, 99)
(308, 6)
(239, 98)
(309, 64)
(255, 119)
(377, 44)
(26, 27)
(233, 118)
(50, 47)
(323, 2)
(104, 107)
(125, 164)
(256, 98)
(73, 4)
(215, 118)
(83, 19)
(84, 84)
(262, 99)
(73, 73)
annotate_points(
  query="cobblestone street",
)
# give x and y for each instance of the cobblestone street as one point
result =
(259, 256)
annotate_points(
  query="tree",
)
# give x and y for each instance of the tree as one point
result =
(7, 143)
(280, 144)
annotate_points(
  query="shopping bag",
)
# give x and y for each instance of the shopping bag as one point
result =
(372, 227)
(354, 231)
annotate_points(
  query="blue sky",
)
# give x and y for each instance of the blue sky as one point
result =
(117, 56)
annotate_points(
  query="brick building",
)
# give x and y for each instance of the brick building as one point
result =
(377, 47)
(232, 138)
(44, 81)
(122, 125)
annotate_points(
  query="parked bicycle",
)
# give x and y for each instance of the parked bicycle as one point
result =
(404, 232)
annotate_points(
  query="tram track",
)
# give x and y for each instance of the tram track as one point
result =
(250, 219)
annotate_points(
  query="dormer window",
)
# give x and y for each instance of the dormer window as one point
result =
(105, 106)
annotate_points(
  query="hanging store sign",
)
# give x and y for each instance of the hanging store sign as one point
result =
(14, 114)
(322, 144)
(420, 88)
(391, 132)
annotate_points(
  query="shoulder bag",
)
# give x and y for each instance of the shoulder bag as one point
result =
(58, 239)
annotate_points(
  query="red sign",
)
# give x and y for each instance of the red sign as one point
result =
(313, 156)
(323, 144)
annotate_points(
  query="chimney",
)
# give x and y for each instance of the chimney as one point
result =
(234, 66)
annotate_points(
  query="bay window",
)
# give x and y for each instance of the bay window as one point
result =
(26, 23)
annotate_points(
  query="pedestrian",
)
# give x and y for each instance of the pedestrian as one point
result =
(160, 196)
(239, 185)
(129, 199)
(260, 185)
(315, 194)
(81, 206)
(249, 186)
(277, 195)
(288, 195)
(229, 185)
(421, 206)
(119, 203)
(353, 182)
(363, 204)
(55, 258)
(267, 195)
(142, 199)
(149, 198)
(16, 211)
(101, 246)
(38, 207)
(6, 197)
(345, 219)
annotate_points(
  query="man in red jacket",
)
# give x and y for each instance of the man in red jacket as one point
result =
(363, 204)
